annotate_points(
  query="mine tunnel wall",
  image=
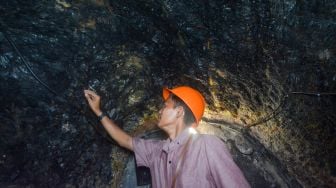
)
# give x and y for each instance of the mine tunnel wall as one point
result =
(266, 66)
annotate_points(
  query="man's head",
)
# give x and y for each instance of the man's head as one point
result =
(190, 100)
(188, 117)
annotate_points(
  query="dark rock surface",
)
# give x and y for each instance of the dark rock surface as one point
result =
(247, 57)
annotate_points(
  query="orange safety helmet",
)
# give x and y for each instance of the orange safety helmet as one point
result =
(191, 97)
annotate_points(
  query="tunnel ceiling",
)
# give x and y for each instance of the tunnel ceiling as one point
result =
(267, 68)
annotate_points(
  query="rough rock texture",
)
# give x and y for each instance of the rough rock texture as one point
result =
(267, 66)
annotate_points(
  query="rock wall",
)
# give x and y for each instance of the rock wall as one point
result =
(268, 66)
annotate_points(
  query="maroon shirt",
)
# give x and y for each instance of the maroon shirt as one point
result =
(207, 162)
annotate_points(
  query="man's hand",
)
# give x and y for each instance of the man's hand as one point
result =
(123, 138)
(94, 101)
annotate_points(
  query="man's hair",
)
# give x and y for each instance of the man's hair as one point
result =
(189, 117)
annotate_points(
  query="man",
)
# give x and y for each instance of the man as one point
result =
(185, 159)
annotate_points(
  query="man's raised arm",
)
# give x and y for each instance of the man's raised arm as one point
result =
(120, 136)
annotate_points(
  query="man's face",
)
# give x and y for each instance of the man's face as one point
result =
(168, 114)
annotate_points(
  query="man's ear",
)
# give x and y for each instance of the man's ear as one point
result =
(180, 111)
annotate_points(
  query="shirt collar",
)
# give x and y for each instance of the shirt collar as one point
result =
(180, 140)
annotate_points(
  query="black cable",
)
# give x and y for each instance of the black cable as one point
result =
(271, 115)
(65, 101)
(313, 94)
(27, 65)
(278, 110)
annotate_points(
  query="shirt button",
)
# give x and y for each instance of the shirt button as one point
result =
(169, 162)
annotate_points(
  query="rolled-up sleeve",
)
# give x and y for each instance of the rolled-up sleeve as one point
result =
(145, 150)
(223, 169)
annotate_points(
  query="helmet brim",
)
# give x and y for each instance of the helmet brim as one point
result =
(165, 93)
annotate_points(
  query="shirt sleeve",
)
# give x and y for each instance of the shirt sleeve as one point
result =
(145, 150)
(222, 167)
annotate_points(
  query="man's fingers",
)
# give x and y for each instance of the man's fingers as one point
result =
(90, 92)
(88, 96)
